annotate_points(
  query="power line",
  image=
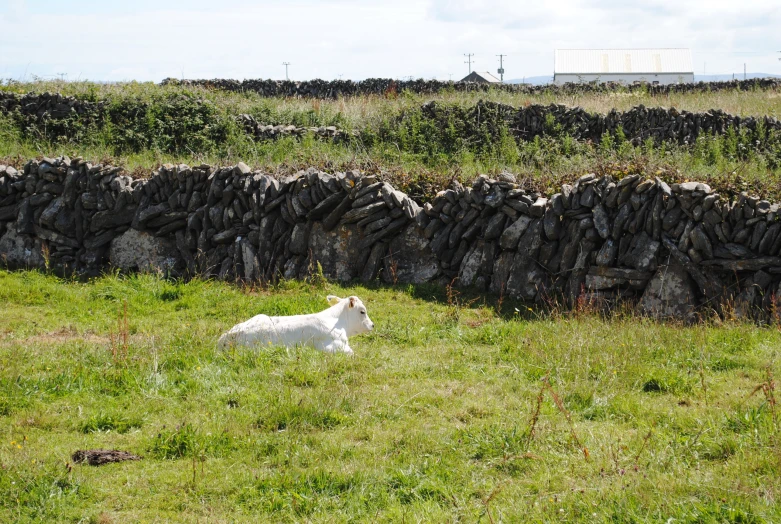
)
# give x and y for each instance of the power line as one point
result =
(469, 60)
(501, 68)
(286, 64)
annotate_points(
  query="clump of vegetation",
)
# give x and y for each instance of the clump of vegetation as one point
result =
(110, 422)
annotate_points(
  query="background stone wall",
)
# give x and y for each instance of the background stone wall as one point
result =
(382, 86)
(672, 249)
(65, 118)
(637, 125)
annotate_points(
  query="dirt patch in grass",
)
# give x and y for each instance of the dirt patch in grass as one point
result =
(62, 336)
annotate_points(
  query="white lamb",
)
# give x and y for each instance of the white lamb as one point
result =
(326, 331)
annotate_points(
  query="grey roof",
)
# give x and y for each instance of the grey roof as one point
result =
(480, 76)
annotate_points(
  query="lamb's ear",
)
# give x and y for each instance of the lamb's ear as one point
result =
(352, 301)
(333, 299)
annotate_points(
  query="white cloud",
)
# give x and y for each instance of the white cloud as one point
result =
(360, 39)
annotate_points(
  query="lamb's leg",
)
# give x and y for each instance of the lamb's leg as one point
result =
(335, 346)
(321, 345)
(343, 346)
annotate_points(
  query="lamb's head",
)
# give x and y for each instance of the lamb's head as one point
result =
(356, 318)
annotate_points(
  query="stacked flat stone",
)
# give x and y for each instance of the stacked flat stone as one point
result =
(45, 106)
(261, 131)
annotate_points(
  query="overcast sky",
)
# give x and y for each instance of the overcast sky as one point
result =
(154, 39)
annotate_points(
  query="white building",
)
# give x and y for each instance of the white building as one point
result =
(655, 66)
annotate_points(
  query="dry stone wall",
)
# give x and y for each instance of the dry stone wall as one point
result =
(637, 124)
(56, 114)
(382, 86)
(46, 109)
(48, 105)
(261, 131)
(674, 249)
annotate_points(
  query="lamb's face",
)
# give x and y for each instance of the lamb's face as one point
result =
(353, 314)
(358, 320)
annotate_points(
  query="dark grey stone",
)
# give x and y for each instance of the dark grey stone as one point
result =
(510, 237)
(552, 224)
(495, 226)
(21, 251)
(747, 303)
(326, 206)
(375, 262)
(390, 229)
(357, 214)
(332, 219)
(669, 294)
(165, 219)
(607, 253)
(409, 259)
(701, 242)
(532, 240)
(8, 212)
(587, 197)
(538, 208)
(470, 266)
(338, 251)
(99, 240)
(49, 214)
(601, 221)
(140, 251)
(171, 227)
(224, 237)
(148, 213)
(368, 198)
(54, 237)
(642, 252)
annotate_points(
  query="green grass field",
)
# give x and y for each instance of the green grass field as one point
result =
(431, 421)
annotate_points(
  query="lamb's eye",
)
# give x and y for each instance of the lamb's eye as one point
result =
(363, 312)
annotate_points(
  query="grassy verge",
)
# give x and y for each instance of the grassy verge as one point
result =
(445, 413)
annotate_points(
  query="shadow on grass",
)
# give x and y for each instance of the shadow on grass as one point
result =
(455, 299)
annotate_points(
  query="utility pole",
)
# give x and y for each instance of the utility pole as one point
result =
(286, 64)
(501, 68)
(469, 60)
